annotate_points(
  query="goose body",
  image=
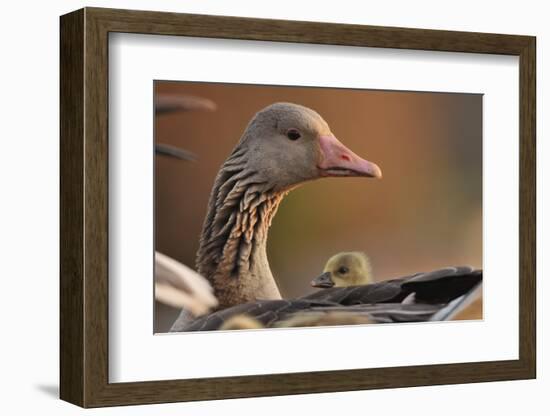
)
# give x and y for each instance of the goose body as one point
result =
(416, 298)
(284, 146)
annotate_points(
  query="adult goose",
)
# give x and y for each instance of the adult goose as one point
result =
(283, 146)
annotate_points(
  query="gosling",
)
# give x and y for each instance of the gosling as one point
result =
(345, 269)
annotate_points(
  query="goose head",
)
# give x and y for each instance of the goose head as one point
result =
(345, 269)
(291, 144)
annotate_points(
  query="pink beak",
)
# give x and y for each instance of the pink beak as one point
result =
(338, 160)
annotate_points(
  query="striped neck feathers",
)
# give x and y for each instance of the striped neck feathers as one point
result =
(232, 253)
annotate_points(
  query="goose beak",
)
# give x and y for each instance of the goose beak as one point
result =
(338, 160)
(323, 281)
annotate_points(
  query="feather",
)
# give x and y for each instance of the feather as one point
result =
(380, 302)
(179, 286)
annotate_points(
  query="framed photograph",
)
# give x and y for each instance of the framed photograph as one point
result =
(255, 207)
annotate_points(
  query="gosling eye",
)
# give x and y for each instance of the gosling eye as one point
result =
(293, 134)
(343, 270)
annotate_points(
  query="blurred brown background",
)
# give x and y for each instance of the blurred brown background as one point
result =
(424, 214)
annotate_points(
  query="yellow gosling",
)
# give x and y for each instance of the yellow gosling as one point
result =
(345, 269)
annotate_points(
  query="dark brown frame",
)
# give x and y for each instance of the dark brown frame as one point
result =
(84, 214)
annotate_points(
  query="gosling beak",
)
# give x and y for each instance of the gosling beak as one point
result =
(323, 281)
(338, 160)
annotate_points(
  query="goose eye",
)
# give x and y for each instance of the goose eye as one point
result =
(343, 270)
(293, 134)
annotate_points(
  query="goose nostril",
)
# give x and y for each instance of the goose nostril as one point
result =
(345, 157)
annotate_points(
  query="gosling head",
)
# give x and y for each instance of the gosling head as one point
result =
(345, 269)
(291, 144)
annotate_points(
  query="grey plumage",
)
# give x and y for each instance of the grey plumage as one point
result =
(436, 292)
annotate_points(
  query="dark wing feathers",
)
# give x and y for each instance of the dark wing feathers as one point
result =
(265, 311)
(437, 296)
(387, 291)
(439, 286)
(389, 312)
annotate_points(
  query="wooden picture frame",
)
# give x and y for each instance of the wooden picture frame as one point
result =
(84, 207)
